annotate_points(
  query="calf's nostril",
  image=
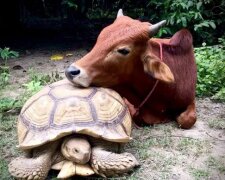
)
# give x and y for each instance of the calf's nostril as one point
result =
(72, 71)
(75, 72)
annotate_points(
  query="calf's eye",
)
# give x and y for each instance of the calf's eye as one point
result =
(123, 51)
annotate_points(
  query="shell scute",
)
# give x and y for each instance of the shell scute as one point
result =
(40, 111)
(71, 111)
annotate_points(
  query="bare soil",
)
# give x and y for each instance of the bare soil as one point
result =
(165, 151)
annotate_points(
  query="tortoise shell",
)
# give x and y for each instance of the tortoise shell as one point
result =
(61, 109)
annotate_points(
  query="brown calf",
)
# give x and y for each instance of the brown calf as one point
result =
(125, 59)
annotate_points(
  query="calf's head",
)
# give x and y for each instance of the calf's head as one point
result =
(119, 53)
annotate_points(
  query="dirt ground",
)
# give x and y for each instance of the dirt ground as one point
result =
(164, 151)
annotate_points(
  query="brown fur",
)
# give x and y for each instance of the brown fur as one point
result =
(127, 74)
(169, 99)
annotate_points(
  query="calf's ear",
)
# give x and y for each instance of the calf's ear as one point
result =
(158, 69)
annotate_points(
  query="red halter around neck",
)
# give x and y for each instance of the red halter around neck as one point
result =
(152, 90)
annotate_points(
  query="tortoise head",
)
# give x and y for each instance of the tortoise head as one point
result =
(76, 149)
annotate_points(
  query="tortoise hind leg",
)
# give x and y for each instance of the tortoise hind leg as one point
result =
(33, 168)
(106, 163)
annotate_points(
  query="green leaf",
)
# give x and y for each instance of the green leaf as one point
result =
(212, 24)
(190, 3)
(199, 4)
(14, 54)
(196, 27)
(7, 53)
(178, 21)
(184, 21)
(206, 24)
(172, 21)
(211, 68)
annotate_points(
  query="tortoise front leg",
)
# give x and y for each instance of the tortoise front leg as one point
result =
(36, 167)
(106, 163)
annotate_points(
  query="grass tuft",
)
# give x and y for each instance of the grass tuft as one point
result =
(199, 174)
(189, 146)
(217, 164)
(217, 123)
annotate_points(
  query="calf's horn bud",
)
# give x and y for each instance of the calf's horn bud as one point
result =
(120, 13)
(153, 29)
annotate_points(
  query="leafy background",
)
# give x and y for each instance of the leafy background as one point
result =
(204, 18)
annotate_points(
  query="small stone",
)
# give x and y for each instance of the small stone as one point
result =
(24, 176)
(36, 177)
(30, 177)
(17, 67)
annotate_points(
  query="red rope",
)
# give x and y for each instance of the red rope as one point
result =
(161, 53)
(152, 90)
(148, 96)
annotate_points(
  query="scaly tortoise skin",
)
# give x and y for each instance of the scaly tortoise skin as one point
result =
(97, 116)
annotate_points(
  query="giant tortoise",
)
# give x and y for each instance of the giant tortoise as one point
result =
(77, 131)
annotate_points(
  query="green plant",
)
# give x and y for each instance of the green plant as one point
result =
(4, 170)
(199, 173)
(4, 75)
(8, 140)
(5, 54)
(6, 104)
(215, 163)
(70, 4)
(216, 123)
(12, 105)
(33, 86)
(189, 146)
(37, 81)
(43, 78)
(185, 13)
(211, 70)
(220, 95)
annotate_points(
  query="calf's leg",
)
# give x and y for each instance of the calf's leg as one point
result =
(187, 118)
